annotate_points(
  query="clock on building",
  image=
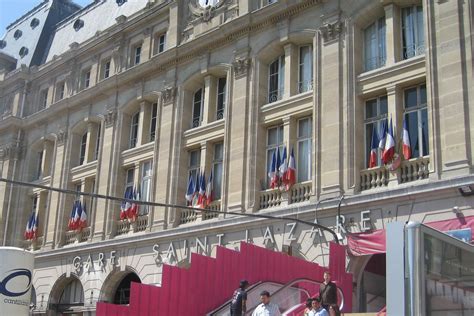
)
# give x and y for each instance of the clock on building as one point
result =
(208, 3)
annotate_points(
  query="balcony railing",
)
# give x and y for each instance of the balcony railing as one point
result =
(214, 206)
(305, 86)
(274, 96)
(74, 236)
(414, 50)
(220, 114)
(414, 169)
(34, 244)
(299, 192)
(409, 170)
(125, 227)
(374, 178)
(188, 216)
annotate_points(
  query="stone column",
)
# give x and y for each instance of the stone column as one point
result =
(449, 86)
(210, 98)
(91, 141)
(9, 159)
(291, 70)
(239, 131)
(104, 182)
(392, 34)
(332, 127)
(164, 159)
(56, 201)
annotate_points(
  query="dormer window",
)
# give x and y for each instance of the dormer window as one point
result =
(34, 23)
(17, 34)
(120, 2)
(23, 51)
(3, 44)
(78, 24)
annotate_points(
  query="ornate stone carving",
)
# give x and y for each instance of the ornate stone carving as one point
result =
(110, 118)
(332, 31)
(168, 95)
(203, 11)
(11, 151)
(61, 137)
(241, 66)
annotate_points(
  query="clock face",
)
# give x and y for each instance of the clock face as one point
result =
(207, 3)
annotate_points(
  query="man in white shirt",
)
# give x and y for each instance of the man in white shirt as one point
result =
(317, 309)
(267, 308)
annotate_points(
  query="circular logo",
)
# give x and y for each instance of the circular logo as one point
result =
(16, 273)
(208, 3)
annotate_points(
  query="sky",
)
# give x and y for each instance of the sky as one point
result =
(10, 10)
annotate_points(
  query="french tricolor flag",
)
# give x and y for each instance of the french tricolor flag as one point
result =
(273, 172)
(133, 210)
(209, 190)
(291, 173)
(406, 148)
(83, 218)
(190, 191)
(283, 168)
(70, 224)
(202, 191)
(29, 226)
(373, 149)
(389, 149)
(383, 135)
(125, 206)
(34, 230)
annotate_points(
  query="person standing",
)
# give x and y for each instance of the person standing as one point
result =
(238, 306)
(317, 309)
(328, 292)
(267, 308)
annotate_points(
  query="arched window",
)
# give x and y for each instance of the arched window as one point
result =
(72, 295)
(134, 130)
(34, 23)
(82, 155)
(276, 79)
(122, 294)
(17, 34)
(23, 51)
(197, 108)
(78, 24)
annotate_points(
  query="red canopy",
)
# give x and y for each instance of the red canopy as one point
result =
(361, 244)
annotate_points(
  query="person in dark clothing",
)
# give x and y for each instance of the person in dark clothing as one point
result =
(328, 292)
(238, 306)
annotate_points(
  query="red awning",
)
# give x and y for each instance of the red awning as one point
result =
(361, 244)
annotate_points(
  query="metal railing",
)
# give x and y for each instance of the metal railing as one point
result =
(305, 86)
(414, 50)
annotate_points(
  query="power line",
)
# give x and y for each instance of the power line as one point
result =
(122, 199)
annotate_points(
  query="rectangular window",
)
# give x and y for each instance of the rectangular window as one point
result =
(374, 45)
(60, 91)
(416, 117)
(86, 79)
(413, 32)
(217, 164)
(160, 41)
(39, 166)
(198, 101)
(194, 164)
(43, 98)
(106, 69)
(304, 162)
(306, 69)
(129, 179)
(134, 130)
(137, 53)
(145, 194)
(82, 155)
(97, 143)
(274, 141)
(154, 112)
(276, 79)
(34, 203)
(375, 118)
(221, 98)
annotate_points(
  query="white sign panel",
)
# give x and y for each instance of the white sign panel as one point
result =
(16, 277)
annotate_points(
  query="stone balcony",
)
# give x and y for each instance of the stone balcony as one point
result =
(300, 192)
(75, 237)
(192, 216)
(125, 227)
(33, 244)
(409, 170)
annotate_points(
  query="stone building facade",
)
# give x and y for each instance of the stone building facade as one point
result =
(144, 93)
